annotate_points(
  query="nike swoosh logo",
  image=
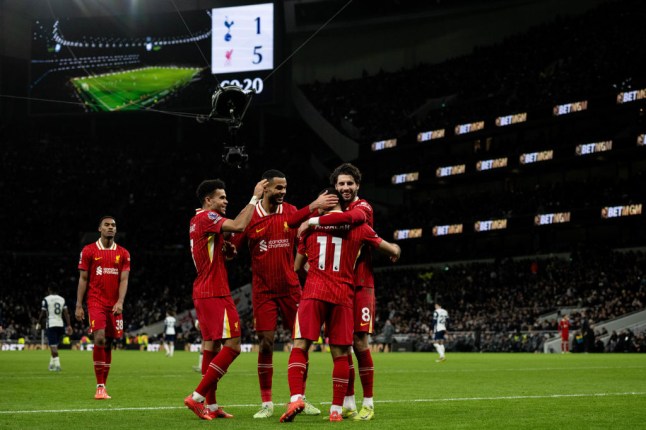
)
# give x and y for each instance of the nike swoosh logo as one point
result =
(258, 230)
(364, 324)
(97, 258)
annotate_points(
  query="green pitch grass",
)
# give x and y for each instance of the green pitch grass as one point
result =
(133, 89)
(468, 391)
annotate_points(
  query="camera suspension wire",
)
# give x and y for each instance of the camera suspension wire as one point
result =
(206, 61)
(308, 39)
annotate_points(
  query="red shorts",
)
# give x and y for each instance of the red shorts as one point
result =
(313, 313)
(364, 310)
(565, 336)
(102, 318)
(265, 314)
(218, 318)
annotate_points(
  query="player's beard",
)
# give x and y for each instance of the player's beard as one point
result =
(276, 199)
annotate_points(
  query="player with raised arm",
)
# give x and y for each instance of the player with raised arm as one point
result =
(104, 267)
(54, 310)
(346, 179)
(440, 320)
(328, 299)
(275, 286)
(215, 308)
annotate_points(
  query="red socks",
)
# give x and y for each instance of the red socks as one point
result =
(216, 370)
(98, 354)
(108, 362)
(340, 375)
(207, 357)
(351, 377)
(265, 375)
(296, 371)
(366, 371)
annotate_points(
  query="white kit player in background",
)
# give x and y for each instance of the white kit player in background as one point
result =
(440, 319)
(54, 308)
(169, 333)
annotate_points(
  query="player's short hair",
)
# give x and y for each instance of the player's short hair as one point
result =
(331, 190)
(106, 217)
(273, 173)
(346, 169)
(208, 187)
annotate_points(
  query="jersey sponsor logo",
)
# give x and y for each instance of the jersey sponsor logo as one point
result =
(278, 243)
(192, 229)
(258, 230)
(100, 271)
(97, 258)
(262, 245)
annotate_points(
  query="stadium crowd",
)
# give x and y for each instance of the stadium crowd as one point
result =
(552, 63)
(147, 179)
(494, 306)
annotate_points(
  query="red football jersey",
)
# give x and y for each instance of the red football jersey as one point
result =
(206, 248)
(331, 253)
(271, 244)
(104, 267)
(363, 275)
(564, 326)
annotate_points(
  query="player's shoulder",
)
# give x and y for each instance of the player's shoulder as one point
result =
(362, 204)
(89, 249)
(122, 249)
(289, 208)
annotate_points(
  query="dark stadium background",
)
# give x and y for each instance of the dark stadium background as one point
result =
(379, 70)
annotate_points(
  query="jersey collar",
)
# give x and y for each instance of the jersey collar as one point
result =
(111, 248)
(262, 212)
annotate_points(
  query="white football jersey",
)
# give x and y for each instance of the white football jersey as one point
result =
(169, 323)
(54, 305)
(440, 316)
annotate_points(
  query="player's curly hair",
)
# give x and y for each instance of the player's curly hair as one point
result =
(208, 187)
(346, 169)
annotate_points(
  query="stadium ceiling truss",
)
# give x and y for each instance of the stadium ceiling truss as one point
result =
(110, 42)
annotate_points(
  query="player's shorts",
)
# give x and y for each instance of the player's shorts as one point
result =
(313, 313)
(218, 318)
(54, 335)
(439, 335)
(265, 314)
(565, 336)
(102, 318)
(169, 338)
(364, 310)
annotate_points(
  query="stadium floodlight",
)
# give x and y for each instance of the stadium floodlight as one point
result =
(229, 104)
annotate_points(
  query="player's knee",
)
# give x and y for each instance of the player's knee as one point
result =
(266, 346)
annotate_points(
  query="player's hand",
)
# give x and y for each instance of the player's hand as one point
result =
(37, 326)
(229, 250)
(259, 189)
(79, 313)
(395, 257)
(117, 308)
(303, 227)
(68, 330)
(324, 202)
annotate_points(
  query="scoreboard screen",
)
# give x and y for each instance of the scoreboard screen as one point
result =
(242, 38)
